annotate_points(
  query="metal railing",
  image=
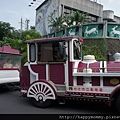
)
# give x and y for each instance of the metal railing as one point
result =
(102, 70)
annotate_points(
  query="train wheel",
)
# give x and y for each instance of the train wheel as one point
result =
(41, 94)
(41, 104)
(117, 103)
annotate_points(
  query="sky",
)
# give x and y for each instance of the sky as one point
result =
(12, 11)
(111, 5)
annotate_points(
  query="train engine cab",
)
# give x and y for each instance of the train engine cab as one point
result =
(49, 69)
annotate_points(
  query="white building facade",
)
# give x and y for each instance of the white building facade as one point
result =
(63, 7)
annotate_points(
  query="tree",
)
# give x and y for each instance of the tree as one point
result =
(56, 22)
(93, 50)
(77, 18)
(74, 18)
(5, 30)
(21, 45)
(17, 41)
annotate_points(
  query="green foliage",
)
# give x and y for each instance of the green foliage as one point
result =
(77, 18)
(29, 34)
(17, 41)
(57, 23)
(74, 18)
(99, 42)
(93, 50)
(97, 47)
(5, 30)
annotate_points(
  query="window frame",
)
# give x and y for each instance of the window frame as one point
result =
(30, 53)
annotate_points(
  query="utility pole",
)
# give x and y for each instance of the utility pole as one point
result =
(27, 24)
(21, 24)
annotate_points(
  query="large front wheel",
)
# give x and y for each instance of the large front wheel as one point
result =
(41, 104)
(41, 93)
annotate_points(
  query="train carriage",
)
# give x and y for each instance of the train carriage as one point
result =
(10, 62)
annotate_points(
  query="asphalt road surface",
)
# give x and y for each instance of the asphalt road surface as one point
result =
(12, 103)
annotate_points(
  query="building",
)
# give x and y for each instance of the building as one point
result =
(63, 7)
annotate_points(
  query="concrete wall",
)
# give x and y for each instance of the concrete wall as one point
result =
(117, 19)
(85, 5)
(55, 6)
(42, 16)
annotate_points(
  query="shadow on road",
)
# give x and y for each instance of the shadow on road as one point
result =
(86, 107)
(8, 88)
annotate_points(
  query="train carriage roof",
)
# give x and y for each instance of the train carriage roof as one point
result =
(8, 49)
(64, 38)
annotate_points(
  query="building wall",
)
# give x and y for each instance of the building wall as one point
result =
(42, 15)
(60, 7)
(117, 19)
(57, 8)
(87, 6)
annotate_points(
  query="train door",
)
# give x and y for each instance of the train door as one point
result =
(53, 56)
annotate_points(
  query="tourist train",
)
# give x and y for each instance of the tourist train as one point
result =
(56, 70)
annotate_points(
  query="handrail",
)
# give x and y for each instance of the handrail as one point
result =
(95, 69)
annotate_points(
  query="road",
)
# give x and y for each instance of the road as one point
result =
(12, 103)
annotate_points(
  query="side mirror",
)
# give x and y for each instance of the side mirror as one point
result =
(62, 50)
(77, 50)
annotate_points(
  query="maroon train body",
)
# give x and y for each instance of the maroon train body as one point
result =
(55, 70)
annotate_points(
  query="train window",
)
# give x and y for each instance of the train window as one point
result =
(10, 60)
(45, 52)
(76, 50)
(50, 52)
(32, 52)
